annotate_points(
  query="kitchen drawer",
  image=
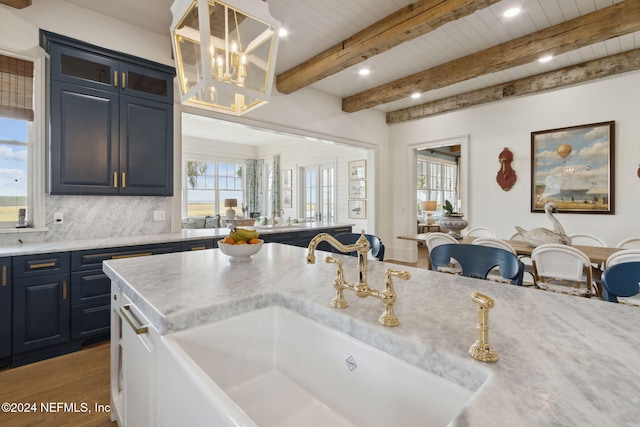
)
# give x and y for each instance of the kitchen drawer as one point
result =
(90, 320)
(92, 259)
(196, 245)
(90, 287)
(39, 265)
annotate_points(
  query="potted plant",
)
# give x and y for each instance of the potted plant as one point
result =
(448, 210)
(452, 221)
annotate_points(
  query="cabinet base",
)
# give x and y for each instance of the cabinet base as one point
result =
(52, 351)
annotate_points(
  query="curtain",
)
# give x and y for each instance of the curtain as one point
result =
(275, 185)
(254, 184)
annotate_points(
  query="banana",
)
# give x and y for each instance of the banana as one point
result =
(245, 234)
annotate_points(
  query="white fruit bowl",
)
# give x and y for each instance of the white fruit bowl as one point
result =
(240, 252)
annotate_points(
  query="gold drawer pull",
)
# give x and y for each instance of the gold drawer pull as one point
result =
(64, 290)
(115, 78)
(4, 275)
(198, 248)
(115, 179)
(130, 255)
(124, 84)
(43, 265)
(137, 329)
(124, 179)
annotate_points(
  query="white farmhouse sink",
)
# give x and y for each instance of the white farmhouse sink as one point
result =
(275, 367)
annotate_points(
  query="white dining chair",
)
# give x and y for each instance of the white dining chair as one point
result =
(480, 232)
(436, 239)
(629, 243)
(585, 239)
(563, 269)
(625, 255)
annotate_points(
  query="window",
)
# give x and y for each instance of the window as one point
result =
(319, 193)
(437, 180)
(21, 177)
(209, 183)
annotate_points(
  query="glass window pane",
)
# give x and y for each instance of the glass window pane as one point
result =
(14, 134)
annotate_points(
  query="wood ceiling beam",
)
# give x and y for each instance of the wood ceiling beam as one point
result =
(406, 24)
(592, 70)
(614, 21)
(18, 4)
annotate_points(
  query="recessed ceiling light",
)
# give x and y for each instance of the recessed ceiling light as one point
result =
(511, 12)
(364, 71)
(415, 95)
(283, 32)
(545, 58)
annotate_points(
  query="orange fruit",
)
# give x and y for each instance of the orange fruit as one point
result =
(254, 241)
(229, 240)
(241, 242)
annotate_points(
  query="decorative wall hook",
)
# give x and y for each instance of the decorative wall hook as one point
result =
(506, 176)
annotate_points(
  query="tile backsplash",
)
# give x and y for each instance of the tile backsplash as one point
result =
(95, 217)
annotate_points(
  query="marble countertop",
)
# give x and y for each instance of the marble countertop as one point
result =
(112, 242)
(563, 360)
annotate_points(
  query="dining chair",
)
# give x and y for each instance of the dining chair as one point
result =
(621, 282)
(585, 239)
(629, 243)
(478, 261)
(480, 232)
(499, 243)
(436, 239)
(377, 248)
(625, 255)
(563, 269)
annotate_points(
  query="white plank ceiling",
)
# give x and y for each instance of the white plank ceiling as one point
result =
(315, 25)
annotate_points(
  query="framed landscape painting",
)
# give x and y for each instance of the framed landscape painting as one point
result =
(573, 167)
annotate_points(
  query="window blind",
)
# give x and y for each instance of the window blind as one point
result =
(16, 88)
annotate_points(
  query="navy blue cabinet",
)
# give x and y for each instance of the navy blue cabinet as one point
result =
(41, 301)
(5, 309)
(111, 121)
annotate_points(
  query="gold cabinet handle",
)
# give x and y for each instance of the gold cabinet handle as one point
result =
(42, 265)
(137, 329)
(124, 81)
(198, 248)
(4, 275)
(115, 78)
(64, 290)
(124, 179)
(131, 255)
(115, 179)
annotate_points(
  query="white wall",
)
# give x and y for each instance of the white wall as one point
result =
(509, 124)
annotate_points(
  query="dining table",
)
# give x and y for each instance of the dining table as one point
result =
(598, 255)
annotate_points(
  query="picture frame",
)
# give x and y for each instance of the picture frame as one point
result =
(357, 209)
(358, 169)
(286, 178)
(287, 196)
(573, 167)
(358, 189)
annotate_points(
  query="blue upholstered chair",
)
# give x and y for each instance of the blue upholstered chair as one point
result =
(621, 280)
(477, 261)
(377, 248)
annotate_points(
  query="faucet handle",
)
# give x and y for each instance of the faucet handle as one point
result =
(405, 275)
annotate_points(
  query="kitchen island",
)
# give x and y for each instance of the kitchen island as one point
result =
(563, 360)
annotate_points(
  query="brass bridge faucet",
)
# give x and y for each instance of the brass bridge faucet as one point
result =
(361, 289)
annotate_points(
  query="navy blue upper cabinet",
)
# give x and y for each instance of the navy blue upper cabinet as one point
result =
(111, 121)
